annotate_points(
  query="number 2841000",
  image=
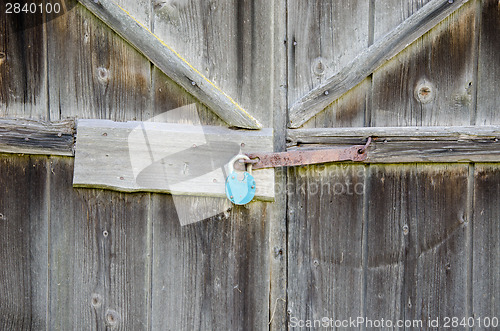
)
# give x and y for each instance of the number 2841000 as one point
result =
(31, 8)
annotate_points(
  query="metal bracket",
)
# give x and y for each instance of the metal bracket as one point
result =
(304, 157)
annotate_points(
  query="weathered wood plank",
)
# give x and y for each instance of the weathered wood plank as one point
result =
(322, 41)
(416, 262)
(36, 137)
(432, 81)
(486, 243)
(165, 157)
(325, 232)
(171, 63)
(371, 59)
(212, 275)
(99, 256)
(408, 144)
(488, 98)
(22, 64)
(92, 72)
(23, 243)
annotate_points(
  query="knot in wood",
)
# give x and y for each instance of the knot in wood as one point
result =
(425, 92)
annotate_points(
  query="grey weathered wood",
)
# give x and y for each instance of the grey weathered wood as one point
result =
(408, 144)
(488, 98)
(22, 65)
(165, 157)
(432, 81)
(486, 241)
(321, 41)
(325, 226)
(99, 256)
(92, 72)
(171, 63)
(370, 59)
(211, 275)
(36, 137)
(23, 243)
(417, 261)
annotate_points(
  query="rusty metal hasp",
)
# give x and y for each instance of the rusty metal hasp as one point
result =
(298, 158)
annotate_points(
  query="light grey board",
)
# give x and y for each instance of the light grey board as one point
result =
(164, 157)
(325, 242)
(23, 242)
(23, 88)
(488, 98)
(323, 37)
(431, 81)
(99, 256)
(229, 42)
(416, 249)
(212, 275)
(92, 72)
(486, 243)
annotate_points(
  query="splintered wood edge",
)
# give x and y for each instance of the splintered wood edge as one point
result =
(371, 59)
(171, 63)
(28, 136)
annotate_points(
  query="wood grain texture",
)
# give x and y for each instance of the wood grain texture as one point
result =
(486, 241)
(172, 63)
(22, 65)
(488, 99)
(408, 144)
(36, 137)
(370, 59)
(165, 157)
(92, 72)
(325, 226)
(432, 81)
(23, 243)
(229, 42)
(321, 42)
(98, 255)
(416, 262)
(211, 275)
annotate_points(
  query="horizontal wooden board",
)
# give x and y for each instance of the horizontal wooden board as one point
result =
(409, 144)
(164, 157)
(36, 137)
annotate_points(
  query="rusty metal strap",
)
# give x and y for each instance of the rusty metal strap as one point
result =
(297, 158)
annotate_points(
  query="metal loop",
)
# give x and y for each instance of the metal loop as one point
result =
(363, 149)
(236, 158)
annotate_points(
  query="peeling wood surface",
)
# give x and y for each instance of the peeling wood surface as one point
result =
(172, 63)
(36, 137)
(163, 157)
(369, 60)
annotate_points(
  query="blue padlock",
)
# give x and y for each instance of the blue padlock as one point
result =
(240, 192)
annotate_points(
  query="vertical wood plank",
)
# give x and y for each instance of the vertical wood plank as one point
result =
(488, 97)
(92, 72)
(430, 82)
(325, 230)
(210, 275)
(22, 65)
(486, 242)
(23, 243)
(321, 40)
(417, 262)
(98, 255)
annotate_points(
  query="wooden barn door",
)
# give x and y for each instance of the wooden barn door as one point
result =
(402, 241)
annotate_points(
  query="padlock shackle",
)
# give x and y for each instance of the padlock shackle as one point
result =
(236, 158)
